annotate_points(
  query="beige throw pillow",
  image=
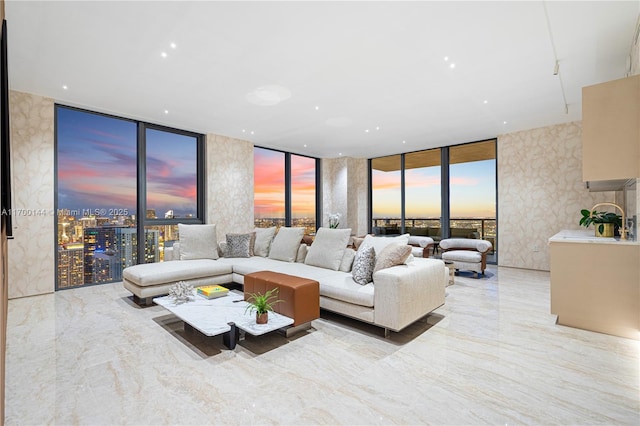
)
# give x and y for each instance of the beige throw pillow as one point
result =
(198, 242)
(392, 255)
(286, 243)
(262, 243)
(328, 247)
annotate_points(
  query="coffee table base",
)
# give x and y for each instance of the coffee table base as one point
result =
(229, 338)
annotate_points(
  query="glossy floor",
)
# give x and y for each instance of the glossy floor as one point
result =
(491, 355)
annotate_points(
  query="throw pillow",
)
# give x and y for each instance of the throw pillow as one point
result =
(328, 247)
(347, 260)
(302, 253)
(392, 255)
(380, 243)
(252, 243)
(285, 245)
(238, 245)
(264, 236)
(363, 265)
(198, 242)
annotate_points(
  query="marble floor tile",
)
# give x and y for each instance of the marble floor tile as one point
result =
(491, 355)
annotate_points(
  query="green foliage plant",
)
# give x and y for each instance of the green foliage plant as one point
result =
(262, 303)
(599, 218)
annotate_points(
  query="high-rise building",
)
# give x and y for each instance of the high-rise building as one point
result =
(151, 245)
(70, 265)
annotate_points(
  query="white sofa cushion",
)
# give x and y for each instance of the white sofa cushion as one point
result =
(286, 243)
(262, 244)
(148, 274)
(462, 256)
(378, 243)
(328, 247)
(198, 242)
(347, 260)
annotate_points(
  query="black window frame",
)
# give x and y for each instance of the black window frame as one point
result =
(141, 196)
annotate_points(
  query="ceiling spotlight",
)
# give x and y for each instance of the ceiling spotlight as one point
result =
(340, 154)
(504, 122)
(317, 108)
(366, 130)
(252, 132)
(243, 130)
(163, 54)
(305, 145)
(446, 58)
(166, 111)
(452, 65)
(377, 127)
(485, 102)
(173, 45)
(404, 141)
(64, 87)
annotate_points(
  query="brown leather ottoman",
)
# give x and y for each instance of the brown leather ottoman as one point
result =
(301, 296)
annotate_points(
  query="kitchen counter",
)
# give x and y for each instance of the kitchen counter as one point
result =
(595, 283)
(586, 237)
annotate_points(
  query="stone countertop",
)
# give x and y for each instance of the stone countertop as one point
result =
(587, 237)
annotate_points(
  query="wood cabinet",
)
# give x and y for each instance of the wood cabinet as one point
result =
(596, 286)
(611, 130)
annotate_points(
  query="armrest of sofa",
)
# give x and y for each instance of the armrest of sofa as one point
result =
(405, 293)
(423, 242)
(172, 253)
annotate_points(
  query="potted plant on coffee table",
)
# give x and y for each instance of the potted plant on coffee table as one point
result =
(262, 304)
(605, 223)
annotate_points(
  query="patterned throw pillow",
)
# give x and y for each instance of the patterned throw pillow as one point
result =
(238, 245)
(363, 264)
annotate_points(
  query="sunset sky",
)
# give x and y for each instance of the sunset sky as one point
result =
(269, 184)
(97, 165)
(472, 191)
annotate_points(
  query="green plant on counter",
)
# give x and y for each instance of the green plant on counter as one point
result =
(262, 303)
(599, 218)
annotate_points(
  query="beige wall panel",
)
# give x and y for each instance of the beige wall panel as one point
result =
(540, 192)
(32, 251)
(345, 191)
(229, 179)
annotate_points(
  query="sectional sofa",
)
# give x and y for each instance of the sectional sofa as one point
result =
(396, 296)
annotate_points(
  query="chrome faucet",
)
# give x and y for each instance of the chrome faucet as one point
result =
(623, 231)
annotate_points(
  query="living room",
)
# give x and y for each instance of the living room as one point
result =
(540, 191)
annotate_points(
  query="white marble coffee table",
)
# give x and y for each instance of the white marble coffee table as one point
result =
(225, 315)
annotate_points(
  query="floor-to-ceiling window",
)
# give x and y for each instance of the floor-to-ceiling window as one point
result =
(472, 191)
(422, 177)
(386, 196)
(285, 189)
(103, 163)
(410, 193)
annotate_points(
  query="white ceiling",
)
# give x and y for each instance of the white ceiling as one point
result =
(363, 64)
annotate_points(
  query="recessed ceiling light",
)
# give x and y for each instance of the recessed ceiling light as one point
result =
(366, 130)
(377, 127)
(173, 45)
(166, 111)
(452, 65)
(446, 58)
(317, 108)
(243, 130)
(485, 102)
(64, 87)
(163, 54)
(305, 145)
(340, 154)
(504, 122)
(252, 132)
(404, 141)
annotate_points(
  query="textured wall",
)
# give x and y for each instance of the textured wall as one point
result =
(32, 251)
(540, 192)
(345, 191)
(229, 184)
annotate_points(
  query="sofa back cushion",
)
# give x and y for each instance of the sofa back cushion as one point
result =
(198, 242)
(286, 243)
(347, 260)
(328, 247)
(379, 243)
(262, 244)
